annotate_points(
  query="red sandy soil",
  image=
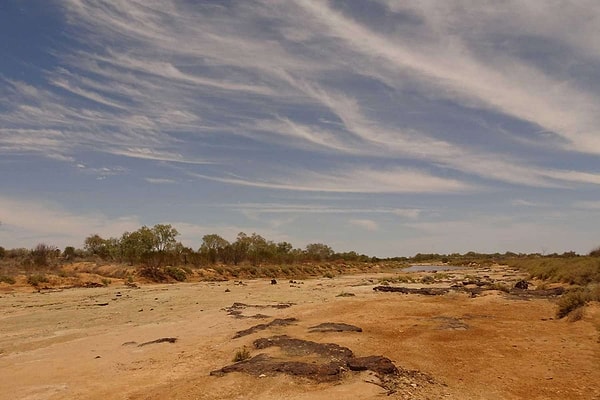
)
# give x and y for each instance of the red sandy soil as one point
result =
(69, 345)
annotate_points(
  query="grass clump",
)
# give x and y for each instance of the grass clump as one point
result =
(37, 279)
(573, 270)
(576, 299)
(241, 355)
(503, 287)
(7, 279)
(176, 273)
(428, 279)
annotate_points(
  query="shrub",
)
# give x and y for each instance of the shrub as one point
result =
(7, 279)
(35, 280)
(428, 279)
(176, 273)
(569, 302)
(503, 287)
(42, 253)
(241, 355)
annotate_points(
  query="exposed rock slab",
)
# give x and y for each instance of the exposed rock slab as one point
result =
(298, 347)
(261, 327)
(334, 327)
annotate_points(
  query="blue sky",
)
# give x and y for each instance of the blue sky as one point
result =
(385, 127)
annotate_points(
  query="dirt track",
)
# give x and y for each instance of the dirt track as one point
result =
(79, 343)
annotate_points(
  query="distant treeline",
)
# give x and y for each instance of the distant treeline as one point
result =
(158, 246)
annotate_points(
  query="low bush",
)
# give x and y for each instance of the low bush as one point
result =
(577, 298)
(35, 280)
(241, 355)
(7, 279)
(176, 273)
(573, 270)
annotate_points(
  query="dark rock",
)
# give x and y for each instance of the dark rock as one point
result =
(523, 285)
(334, 327)
(377, 364)
(161, 340)
(273, 281)
(424, 291)
(261, 327)
(262, 364)
(304, 347)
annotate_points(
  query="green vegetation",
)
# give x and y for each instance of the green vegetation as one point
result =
(37, 279)
(577, 298)
(7, 279)
(241, 355)
(575, 270)
(581, 272)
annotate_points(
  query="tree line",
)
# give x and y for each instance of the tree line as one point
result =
(158, 245)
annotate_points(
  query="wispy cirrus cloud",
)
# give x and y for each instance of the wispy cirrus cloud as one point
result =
(133, 90)
(353, 181)
(291, 208)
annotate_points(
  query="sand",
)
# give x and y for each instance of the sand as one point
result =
(84, 343)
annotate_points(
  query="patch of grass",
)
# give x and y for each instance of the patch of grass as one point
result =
(403, 279)
(106, 281)
(7, 279)
(428, 279)
(441, 276)
(577, 298)
(37, 279)
(572, 270)
(503, 287)
(241, 355)
(176, 273)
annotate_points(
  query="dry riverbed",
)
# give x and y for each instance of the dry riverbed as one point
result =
(178, 342)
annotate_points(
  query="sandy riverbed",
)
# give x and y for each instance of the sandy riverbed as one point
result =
(72, 344)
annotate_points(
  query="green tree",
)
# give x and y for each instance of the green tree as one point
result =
(240, 248)
(69, 253)
(318, 251)
(212, 247)
(95, 245)
(164, 237)
(42, 253)
(137, 246)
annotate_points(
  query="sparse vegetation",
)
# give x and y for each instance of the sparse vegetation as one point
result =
(176, 273)
(7, 279)
(503, 287)
(37, 279)
(577, 298)
(575, 271)
(241, 355)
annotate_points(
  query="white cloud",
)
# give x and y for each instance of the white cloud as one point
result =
(367, 224)
(160, 181)
(355, 181)
(293, 208)
(28, 222)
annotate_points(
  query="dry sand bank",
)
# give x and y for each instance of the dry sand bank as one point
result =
(77, 343)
